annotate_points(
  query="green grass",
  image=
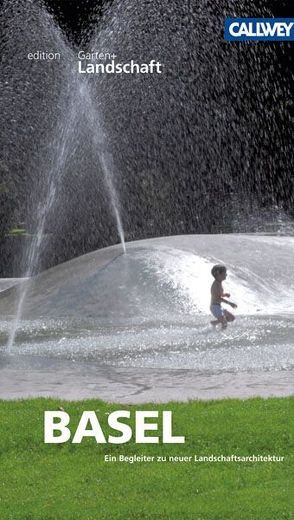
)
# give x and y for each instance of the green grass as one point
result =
(41, 481)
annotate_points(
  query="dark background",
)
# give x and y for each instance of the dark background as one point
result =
(73, 15)
(149, 218)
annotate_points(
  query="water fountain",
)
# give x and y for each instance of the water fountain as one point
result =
(75, 101)
(185, 156)
(103, 155)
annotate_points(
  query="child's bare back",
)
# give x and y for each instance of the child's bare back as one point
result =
(216, 292)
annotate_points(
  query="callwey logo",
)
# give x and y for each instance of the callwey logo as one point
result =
(261, 29)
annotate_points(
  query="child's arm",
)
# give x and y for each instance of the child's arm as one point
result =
(229, 303)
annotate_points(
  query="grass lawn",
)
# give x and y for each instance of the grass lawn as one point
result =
(73, 481)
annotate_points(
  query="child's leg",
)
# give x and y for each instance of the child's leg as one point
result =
(228, 316)
(219, 314)
(214, 322)
(221, 320)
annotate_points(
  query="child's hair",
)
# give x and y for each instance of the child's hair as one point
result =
(218, 269)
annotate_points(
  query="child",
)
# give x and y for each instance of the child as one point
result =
(219, 272)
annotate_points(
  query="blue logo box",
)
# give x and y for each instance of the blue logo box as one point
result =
(260, 29)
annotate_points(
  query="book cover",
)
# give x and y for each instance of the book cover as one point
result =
(146, 233)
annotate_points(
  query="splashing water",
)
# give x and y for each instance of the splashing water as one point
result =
(60, 144)
(113, 198)
(60, 148)
(150, 308)
(168, 118)
(104, 157)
